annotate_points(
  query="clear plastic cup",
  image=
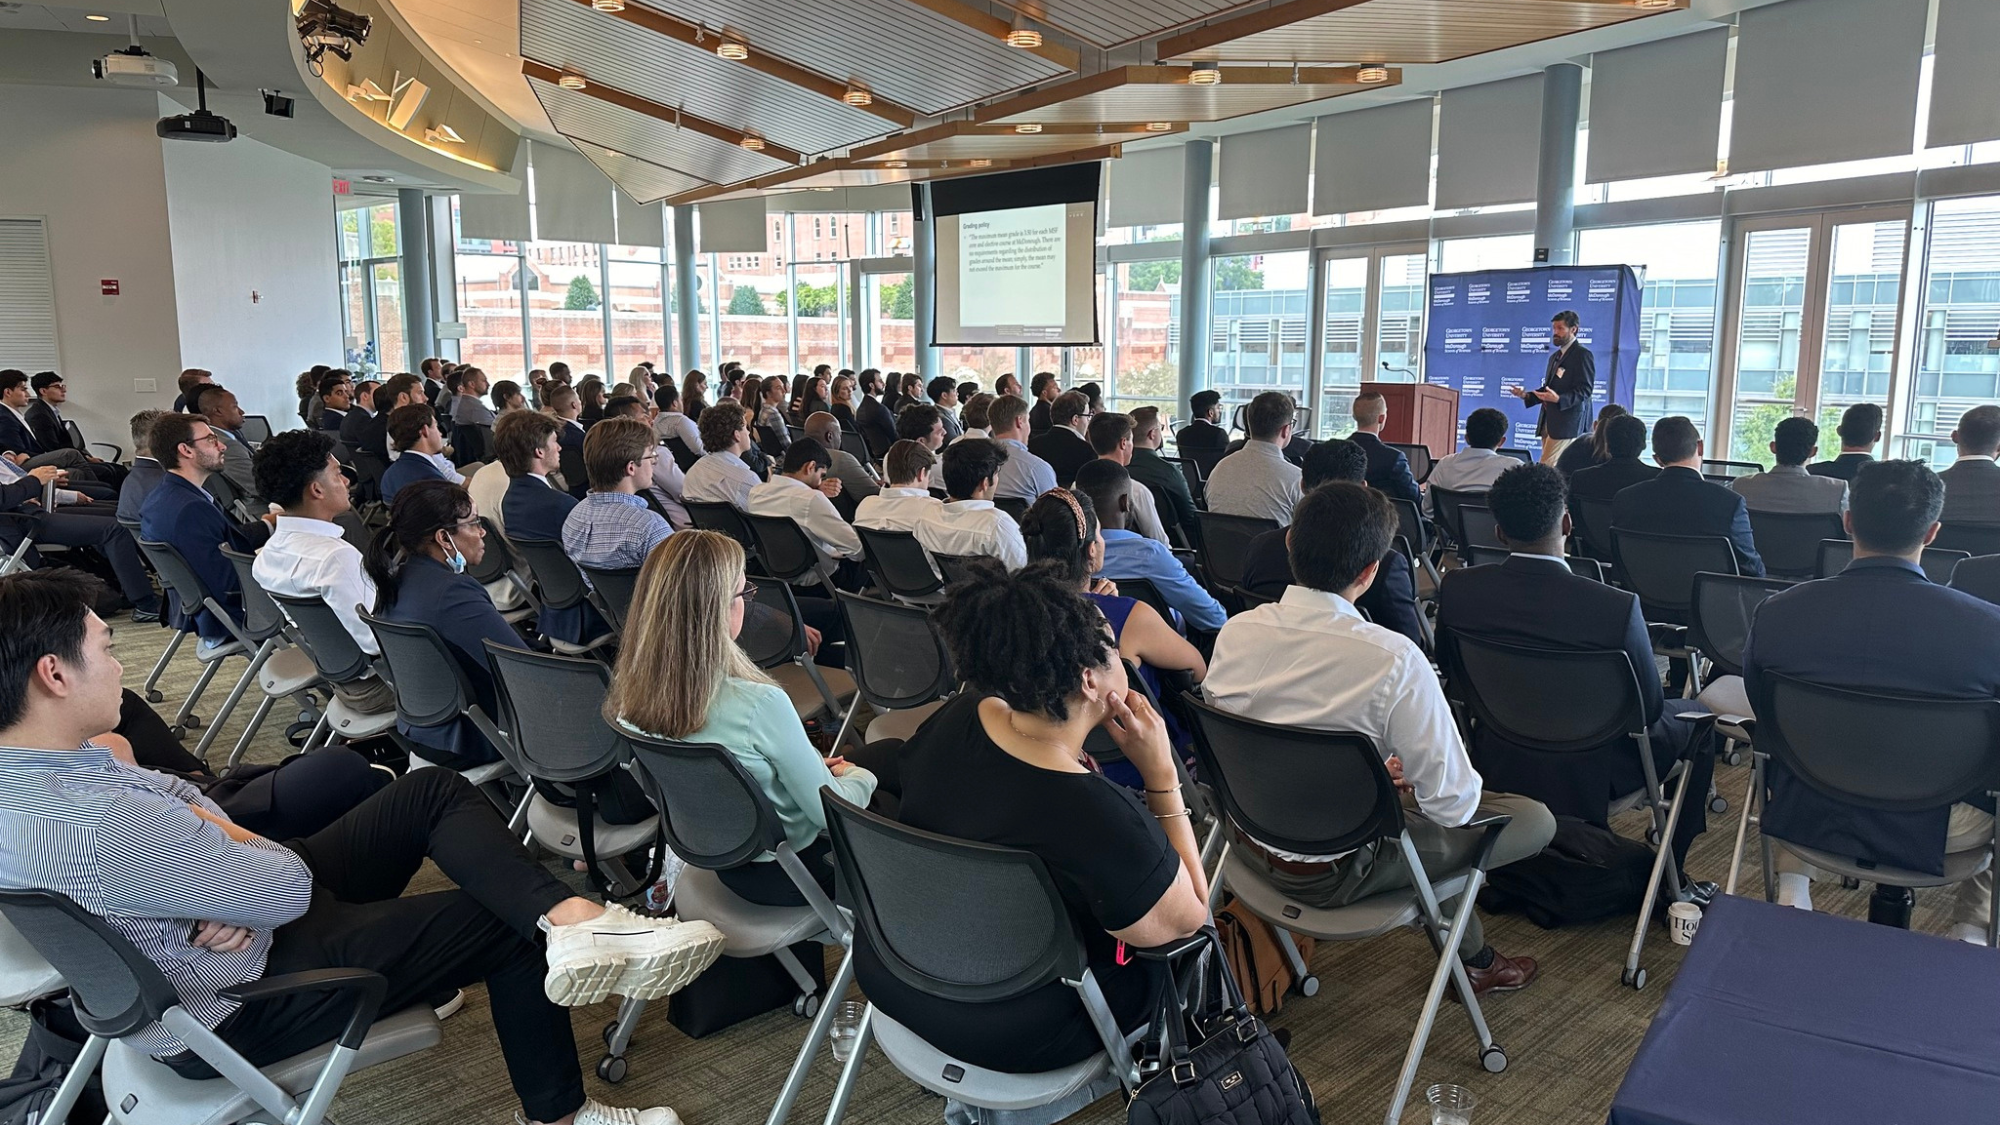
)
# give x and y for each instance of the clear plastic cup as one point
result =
(846, 1028)
(1450, 1105)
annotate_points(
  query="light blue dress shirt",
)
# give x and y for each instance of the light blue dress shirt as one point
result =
(1128, 554)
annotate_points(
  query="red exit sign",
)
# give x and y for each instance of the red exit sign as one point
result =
(342, 187)
(108, 287)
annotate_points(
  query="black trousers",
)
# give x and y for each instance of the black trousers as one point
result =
(426, 945)
(766, 884)
(95, 527)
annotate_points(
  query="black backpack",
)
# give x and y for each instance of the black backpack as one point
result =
(1585, 875)
(55, 1038)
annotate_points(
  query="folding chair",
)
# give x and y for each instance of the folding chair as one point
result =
(1325, 793)
(180, 623)
(1419, 457)
(1225, 545)
(1789, 542)
(785, 553)
(194, 596)
(1937, 563)
(615, 590)
(1591, 534)
(119, 993)
(966, 923)
(901, 668)
(1444, 506)
(716, 818)
(1197, 482)
(340, 661)
(25, 975)
(1477, 526)
(431, 690)
(1974, 538)
(725, 518)
(280, 668)
(900, 567)
(1978, 576)
(499, 564)
(1661, 569)
(774, 638)
(1559, 702)
(1141, 590)
(560, 585)
(682, 455)
(1856, 747)
(19, 527)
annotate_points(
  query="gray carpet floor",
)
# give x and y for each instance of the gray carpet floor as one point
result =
(1569, 1037)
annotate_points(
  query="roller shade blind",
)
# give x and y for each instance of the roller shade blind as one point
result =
(1146, 187)
(1373, 159)
(27, 297)
(1656, 109)
(1824, 80)
(572, 198)
(1489, 143)
(1264, 173)
(640, 224)
(733, 226)
(1965, 87)
(503, 218)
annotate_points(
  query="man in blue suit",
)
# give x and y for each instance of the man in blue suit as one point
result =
(528, 447)
(1564, 395)
(1388, 467)
(17, 437)
(181, 513)
(146, 469)
(1679, 502)
(420, 447)
(1533, 598)
(1879, 625)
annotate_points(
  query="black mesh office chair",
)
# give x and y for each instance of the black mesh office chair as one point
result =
(1978, 576)
(1592, 528)
(774, 638)
(682, 455)
(1789, 542)
(324, 636)
(256, 429)
(1013, 506)
(560, 585)
(1419, 457)
(432, 690)
(900, 567)
(1197, 481)
(725, 518)
(615, 590)
(1973, 538)
(901, 668)
(195, 596)
(1413, 530)
(786, 553)
(1477, 526)
(1521, 455)
(280, 668)
(1225, 545)
(960, 568)
(1937, 562)
(1661, 569)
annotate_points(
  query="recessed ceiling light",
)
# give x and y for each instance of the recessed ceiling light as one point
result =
(608, 5)
(979, 162)
(752, 143)
(858, 96)
(1028, 127)
(895, 164)
(1652, 5)
(571, 80)
(732, 50)
(1205, 74)
(98, 19)
(1158, 126)
(1372, 74)
(1023, 36)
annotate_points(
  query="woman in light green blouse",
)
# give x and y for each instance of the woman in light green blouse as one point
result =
(681, 676)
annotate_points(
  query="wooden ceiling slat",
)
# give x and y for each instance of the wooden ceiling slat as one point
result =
(1393, 31)
(1163, 93)
(668, 114)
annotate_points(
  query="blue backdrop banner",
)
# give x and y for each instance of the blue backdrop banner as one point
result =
(1488, 332)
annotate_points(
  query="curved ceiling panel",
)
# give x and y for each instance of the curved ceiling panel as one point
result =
(566, 34)
(902, 51)
(642, 180)
(580, 116)
(1112, 23)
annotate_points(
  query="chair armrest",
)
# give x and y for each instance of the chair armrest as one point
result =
(368, 987)
(1173, 949)
(117, 452)
(1492, 826)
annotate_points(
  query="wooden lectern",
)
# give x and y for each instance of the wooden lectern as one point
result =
(1420, 414)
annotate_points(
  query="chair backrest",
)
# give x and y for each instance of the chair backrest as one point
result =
(1789, 541)
(960, 921)
(1419, 457)
(256, 429)
(262, 618)
(851, 441)
(431, 686)
(1857, 747)
(783, 548)
(772, 632)
(369, 467)
(494, 561)
(1719, 618)
(117, 990)
(1661, 568)
(1978, 576)
(553, 709)
(1593, 525)
(712, 516)
(1410, 524)
(1977, 538)
(1938, 564)
(898, 562)
(1140, 589)
(1225, 544)
(1250, 598)
(1446, 502)
(471, 443)
(711, 810)
(797, 433)
(325, 638)
(1306, 791)
(1013, 506)
(682, 455)
(615, 590)
(1731, 469)
(1486, 556)
(1521, 455)
(898, 659)
(1585, 567)
(957, 568)
(1477, 527)
(180, 577)
(1581, 567)
(1553, 700)
(556, 577)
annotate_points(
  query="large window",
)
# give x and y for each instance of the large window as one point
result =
(1957, 366)
(1143, 323)
(1858, 346)
(1770, 316)
(1676, 312)
(635, 302)
(1257, 326)
(371, 287)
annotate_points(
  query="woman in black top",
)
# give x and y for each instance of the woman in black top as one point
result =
(1590, 451)
(1002, 763)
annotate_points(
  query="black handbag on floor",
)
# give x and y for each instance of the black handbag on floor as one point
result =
(54, 1041)
(1219, 1063)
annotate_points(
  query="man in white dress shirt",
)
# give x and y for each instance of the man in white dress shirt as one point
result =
(906, 501)
(722, 476)
(969, 524)
(1311, 660)
(803, 493)
(1479, 464)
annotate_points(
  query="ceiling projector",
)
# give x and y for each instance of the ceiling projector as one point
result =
(134, 67)
(201, 125)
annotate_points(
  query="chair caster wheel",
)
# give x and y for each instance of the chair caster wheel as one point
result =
(611, 1068)
(1733, 758)
(610, 1029)
(1636, 979)
(1718, 804)
(178, 732)
(806, 1005)
(194, 722)
(1309, 986)
(1652, 837)
(1493, 1059)
(155, 696)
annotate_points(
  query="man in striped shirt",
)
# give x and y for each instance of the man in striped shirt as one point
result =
(213, 905)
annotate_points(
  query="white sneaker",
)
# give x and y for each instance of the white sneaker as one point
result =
(595, 1112)
(625, 954)
(1968, 933)
(450, 1007)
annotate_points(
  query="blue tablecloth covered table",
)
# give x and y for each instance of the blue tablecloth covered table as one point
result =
(1781, 1016)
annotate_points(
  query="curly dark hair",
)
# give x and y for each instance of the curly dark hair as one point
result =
(1528, 503)
(288, 462)
(1027, 637)
(1049, 528)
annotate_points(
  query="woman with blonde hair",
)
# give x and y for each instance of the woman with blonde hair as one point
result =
(681, 676)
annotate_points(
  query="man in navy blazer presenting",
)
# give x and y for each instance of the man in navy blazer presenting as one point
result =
(1565, 391)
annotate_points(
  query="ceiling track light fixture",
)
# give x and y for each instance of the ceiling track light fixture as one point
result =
(752, 143)
(1023, 36)
(1372, 74)
(733, 50)
(1028, 127)
(571, 80)
(1205, 74)
(367, 91)
(858, 95)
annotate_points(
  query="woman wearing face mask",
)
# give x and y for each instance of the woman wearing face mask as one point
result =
(418, 563)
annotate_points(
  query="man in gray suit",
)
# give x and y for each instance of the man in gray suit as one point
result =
(225, 416)
(1972, 484)
(1787, 486)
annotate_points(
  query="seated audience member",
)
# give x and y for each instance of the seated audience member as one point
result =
(420, 451)
(973, 419)
(336, 397)
(1008, 385)
(943, 394)
(468, 409)
(1390, 601)
(590, 392)
(612, 528)
(1679, 502)
(873, 418)
(905, 501)
(1860, 430)
(77, 521)
(559, 373)
(1388, 467)
(18, 438)
(527, 448)
(146, 470)
(564, 406)
(722, 476)
(1787, 486)
(694, 394)
(1063, 444)
(773, 432)
(180, 512)
(1111, 438)
(924, 424)
(1043, 390)
(45, 421)
(355, 427)
(1534, 599)
(306, 556)
(371, 433)
(214, 905)
(507, 397)
(842, 407)
(188, 380)
(680, 675)
(1003, 763)
(674, 426)
(1309, 660)
(967, 390)
(1256, 480)
(1587, 452)
(1972, 483)
(1129, 555)
(857, 481)
(1163, 478)
(307, 388)
(803, 493)
(1479, 464)
(1202, 434)
(238, 478)
(1624, 441)
(1879, 626)
(817, 392)
(1024, 475)
(968, 523)
(668, 486)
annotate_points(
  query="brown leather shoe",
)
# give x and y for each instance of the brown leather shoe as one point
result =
(1505, 974)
